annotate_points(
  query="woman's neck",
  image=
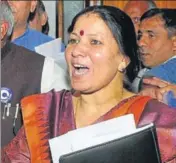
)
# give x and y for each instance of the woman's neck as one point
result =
(97, 104)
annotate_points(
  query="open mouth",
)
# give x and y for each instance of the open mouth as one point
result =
(80, 70)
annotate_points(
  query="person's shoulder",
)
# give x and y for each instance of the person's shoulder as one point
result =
(158, 108)
(158, 113)
(161, 71)
(154, 104)
(24, 52)
(164, 71)
(41, 37)
(45, 98)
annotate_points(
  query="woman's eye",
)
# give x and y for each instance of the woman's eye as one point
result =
(73, 41)
(151, 35)
(95, 42)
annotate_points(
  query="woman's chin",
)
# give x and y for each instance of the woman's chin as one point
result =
(83, 88)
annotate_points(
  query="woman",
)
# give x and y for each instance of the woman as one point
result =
(102, 46)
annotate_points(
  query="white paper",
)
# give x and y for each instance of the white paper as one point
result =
(54, 76)
(55, 73)
(92, 135)
(50, 49)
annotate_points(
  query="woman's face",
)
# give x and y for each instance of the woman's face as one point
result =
(92, 54)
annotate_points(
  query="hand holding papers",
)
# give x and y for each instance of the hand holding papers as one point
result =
(93, 135)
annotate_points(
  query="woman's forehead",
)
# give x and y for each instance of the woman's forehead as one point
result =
(91, 23)
(88, 18)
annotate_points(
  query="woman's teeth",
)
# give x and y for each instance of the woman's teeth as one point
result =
(80, 69)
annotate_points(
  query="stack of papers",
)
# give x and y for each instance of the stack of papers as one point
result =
(92, 135)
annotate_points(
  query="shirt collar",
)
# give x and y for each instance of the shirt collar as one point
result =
(170, 59)
(25, 33)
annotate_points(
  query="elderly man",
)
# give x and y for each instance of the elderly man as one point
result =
(135, 9)
(22, 35)
(21, 72)
(157, 44)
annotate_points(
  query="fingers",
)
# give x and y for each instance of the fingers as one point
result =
(156, 82)
(169, 88)
(150, 91)
(162, 87)
(159, 95)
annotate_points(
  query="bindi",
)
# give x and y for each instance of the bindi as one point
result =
(81, 32)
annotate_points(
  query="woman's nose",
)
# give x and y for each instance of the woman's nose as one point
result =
(80, 49)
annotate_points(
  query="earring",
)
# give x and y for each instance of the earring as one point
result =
(122, 66)
(122, 70)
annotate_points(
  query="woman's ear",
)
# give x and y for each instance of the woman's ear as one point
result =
(123, 64)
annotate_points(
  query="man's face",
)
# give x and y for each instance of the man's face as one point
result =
(135, 9)
(154, 44)
(21, 11)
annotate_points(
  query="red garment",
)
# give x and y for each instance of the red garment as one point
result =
(50, 115)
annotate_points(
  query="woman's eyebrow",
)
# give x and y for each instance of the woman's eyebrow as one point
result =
(73, 33)
(98, 34)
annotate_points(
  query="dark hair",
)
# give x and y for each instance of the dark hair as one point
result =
(168, 17)
(123, 31)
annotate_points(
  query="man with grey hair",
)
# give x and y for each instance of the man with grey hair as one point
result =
(135, 9)
(7, 23)
(23, 35)
(21, 72)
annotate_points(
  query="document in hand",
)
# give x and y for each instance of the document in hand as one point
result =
(113, 141)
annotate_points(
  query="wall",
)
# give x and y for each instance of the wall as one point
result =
(71, 8)
(51, 10)
(160, 3)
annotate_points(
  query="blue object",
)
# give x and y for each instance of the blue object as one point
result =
(165, 71)
(170, 99)
(6, 95)
(32, 38)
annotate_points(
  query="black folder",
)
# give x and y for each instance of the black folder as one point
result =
(140, 147)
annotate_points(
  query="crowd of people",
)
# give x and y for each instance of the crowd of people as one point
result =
(112, 71)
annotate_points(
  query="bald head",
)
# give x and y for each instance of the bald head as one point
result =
(135, 9)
